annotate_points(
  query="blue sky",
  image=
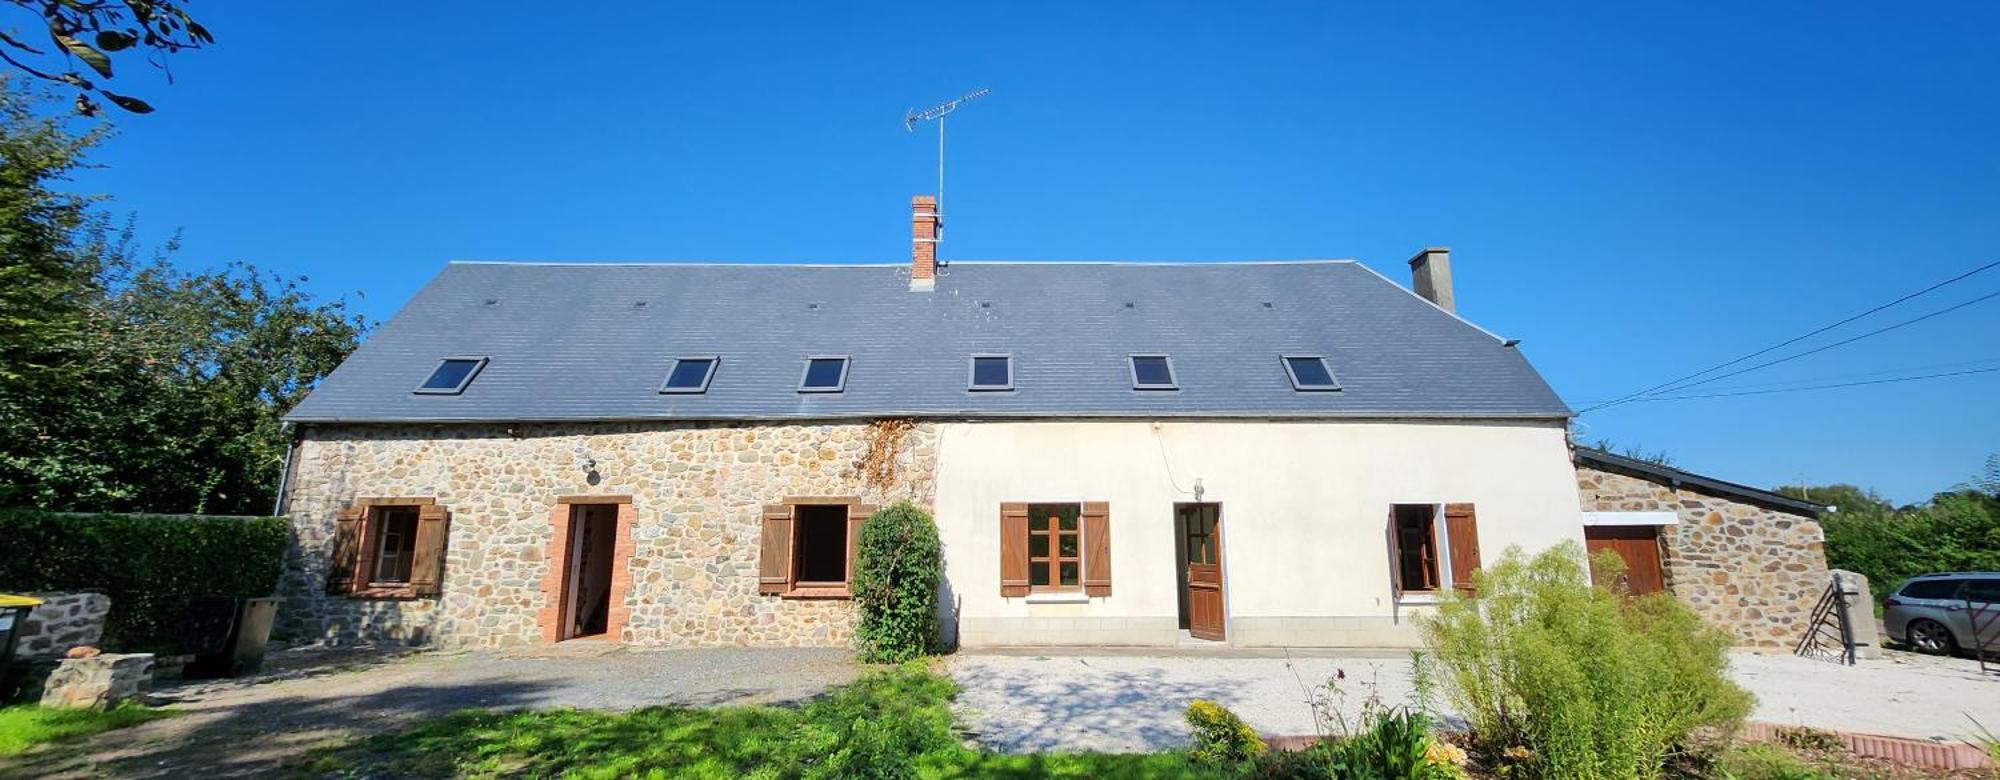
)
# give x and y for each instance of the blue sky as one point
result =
(1636, 193)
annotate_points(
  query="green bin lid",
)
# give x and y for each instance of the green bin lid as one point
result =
(11, 600)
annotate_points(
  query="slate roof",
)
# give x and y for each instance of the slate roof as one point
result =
(593, 341)
(1673, 477)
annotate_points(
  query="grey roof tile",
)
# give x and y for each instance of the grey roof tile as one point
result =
(592, 342)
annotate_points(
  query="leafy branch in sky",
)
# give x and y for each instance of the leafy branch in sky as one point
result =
(83, 36)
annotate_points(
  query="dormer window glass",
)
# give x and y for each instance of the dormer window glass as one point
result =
(1309, 372)
(452, 375)
(690, 374)
(824, 374)
(1153, 372)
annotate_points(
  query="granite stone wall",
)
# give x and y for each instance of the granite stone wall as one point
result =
(62, 621)
(1752, 570)
(696, 490)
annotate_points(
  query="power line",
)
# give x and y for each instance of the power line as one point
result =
(1850, 340)
(1793, 340)
(1820, 387)
(1845, 376)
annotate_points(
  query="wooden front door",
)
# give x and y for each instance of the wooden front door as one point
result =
(1201, 526)
(1638, 546)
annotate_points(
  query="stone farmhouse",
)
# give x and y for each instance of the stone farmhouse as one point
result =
(1262, 454)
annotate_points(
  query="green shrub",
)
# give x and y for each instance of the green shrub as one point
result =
(1396, 746)
(1592, 683)
(1220, 736)
(1765, 762)
(151, 566)
(895, 584)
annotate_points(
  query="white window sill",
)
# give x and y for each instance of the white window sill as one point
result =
(1418, 600)
(1058, 598)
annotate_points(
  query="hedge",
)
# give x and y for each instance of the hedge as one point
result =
(151, 566)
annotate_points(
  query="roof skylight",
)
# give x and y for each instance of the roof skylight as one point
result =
(452, 375)
(824, 374)
(1153, 372)
(992, 372)
(690, 374)
(1309, 372)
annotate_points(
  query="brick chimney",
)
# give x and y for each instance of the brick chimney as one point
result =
(924, 229)
(1430, 277)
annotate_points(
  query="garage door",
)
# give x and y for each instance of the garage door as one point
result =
(1638, 545)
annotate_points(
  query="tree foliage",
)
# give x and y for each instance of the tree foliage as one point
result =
(84, 36)
(1957, 530)
(128, 384)
(895, 584)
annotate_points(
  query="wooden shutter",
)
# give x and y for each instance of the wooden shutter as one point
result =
(1395, 555)
(774, 565)
(427, 566)
(1461, 530)
(1096, 548)
(857, 514)
(345, 556)
(1013, 549)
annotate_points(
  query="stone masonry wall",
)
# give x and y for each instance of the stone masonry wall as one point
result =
(62, 621)
(697, 490)
(1754, 571)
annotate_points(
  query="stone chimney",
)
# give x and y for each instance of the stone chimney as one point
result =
(924, 229)
(1430, 277)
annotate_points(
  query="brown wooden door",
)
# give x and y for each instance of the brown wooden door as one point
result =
(1638, 545)
(1202, 526)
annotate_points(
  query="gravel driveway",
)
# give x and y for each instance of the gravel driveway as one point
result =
(246, 727)
(1121, 703)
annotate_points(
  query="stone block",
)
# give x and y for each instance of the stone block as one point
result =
(98, 681)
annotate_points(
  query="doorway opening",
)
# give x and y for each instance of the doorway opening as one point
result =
(1198, 547)
(1638, 546)
(593, 534)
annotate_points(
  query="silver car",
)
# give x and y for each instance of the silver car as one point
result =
(1935, 613)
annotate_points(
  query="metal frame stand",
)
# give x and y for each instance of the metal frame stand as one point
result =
(1829, 635)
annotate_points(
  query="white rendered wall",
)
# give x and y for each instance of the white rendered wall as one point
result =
(1304, 512)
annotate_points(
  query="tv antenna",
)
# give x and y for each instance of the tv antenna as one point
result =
(939, 112)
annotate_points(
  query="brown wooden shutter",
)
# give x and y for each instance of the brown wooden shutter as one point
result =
(1096, 548)
(1013, 549)
(345, 556)
(1461, 530)
(774, 565)
(1395, 555)
(857, 514)
(427, 566)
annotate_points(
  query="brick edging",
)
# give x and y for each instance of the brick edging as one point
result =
(1918, 753)
(1921, 753)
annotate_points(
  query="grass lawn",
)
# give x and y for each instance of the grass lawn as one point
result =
(894, 723)
(25, 726)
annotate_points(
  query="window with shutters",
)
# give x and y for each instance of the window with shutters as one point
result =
(808, 547)
(1416, 548)
(1055, 549)
(1432, 547)
(395, 531)
(388, 548)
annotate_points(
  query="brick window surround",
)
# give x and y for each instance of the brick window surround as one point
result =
(549, 618)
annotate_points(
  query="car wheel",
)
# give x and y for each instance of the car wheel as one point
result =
(1930, 636)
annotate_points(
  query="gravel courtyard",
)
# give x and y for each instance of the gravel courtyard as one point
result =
(1122, 703)
(313, 698)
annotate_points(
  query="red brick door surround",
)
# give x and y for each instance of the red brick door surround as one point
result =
(549, 618)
